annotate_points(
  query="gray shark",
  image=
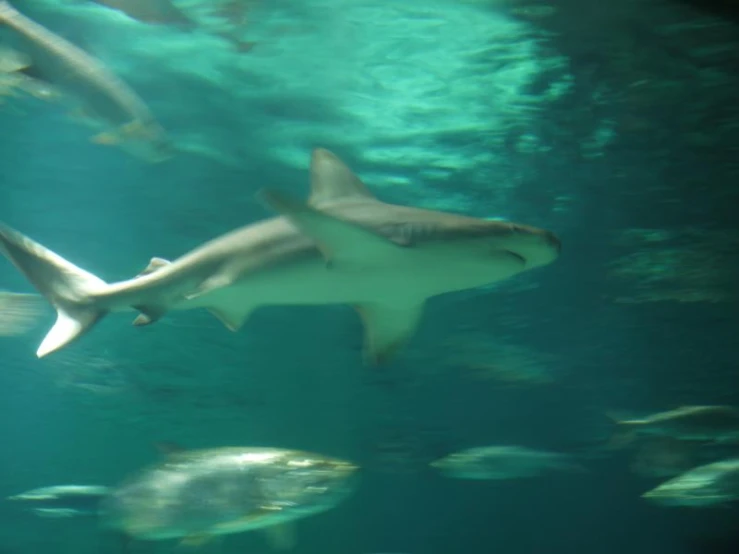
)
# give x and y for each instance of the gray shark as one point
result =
(342, 246)
(134, 126)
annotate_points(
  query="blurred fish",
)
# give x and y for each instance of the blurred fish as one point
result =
(134, 126)
(704, 486)
(200, 494)
(63, 500)
(503, 462)
(342, 246)
(695, 423)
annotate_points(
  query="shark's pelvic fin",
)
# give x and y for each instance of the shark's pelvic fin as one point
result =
(387, 328)
(338, 240)
(149, 313)
(154, 264)
(66, 286)
(331, 179)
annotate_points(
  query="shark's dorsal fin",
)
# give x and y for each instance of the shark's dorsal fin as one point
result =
(331, 179)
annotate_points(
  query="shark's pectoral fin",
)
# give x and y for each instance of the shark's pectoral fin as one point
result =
(232, 317)
(149, 314)
(282, 536)
(338, 240)
(154, 264)
(387, 328)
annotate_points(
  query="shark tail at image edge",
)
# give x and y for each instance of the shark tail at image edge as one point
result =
(67, 287)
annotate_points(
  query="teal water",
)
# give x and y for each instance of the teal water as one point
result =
(613, 126)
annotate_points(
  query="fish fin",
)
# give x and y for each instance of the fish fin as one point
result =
(107, 138)
(112, 137)
(282, 536)
(253, 518)
(136, 129)
(338, 240)
(149, 314)
(14, 60)
(331, 179)
(217, 281)
(69, 288)
(154, 264)
(387, 328)
(233, 318)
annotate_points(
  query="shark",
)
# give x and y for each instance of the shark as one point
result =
(128, 121)
(342, 245)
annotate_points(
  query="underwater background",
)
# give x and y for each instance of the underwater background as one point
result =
(615, 125)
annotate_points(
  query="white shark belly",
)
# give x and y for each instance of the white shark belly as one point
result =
(423, 272)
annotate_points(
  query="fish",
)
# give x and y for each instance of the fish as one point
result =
(688, 423)
(713, 484)
(502, 463)
(342, 246)
(134, 126)
(196, 496)
(63, 500)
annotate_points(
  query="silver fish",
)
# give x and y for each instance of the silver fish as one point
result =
(201, 494)
(503, 462)
(63, 500)
(708, 485)
(693, 423)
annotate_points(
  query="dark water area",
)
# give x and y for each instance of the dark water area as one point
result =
(614, 125)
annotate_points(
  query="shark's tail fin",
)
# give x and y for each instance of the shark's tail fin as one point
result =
(66, 286)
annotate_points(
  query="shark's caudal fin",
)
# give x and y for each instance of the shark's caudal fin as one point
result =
(65, 285)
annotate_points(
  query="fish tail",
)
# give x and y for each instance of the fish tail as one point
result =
(69, 288)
